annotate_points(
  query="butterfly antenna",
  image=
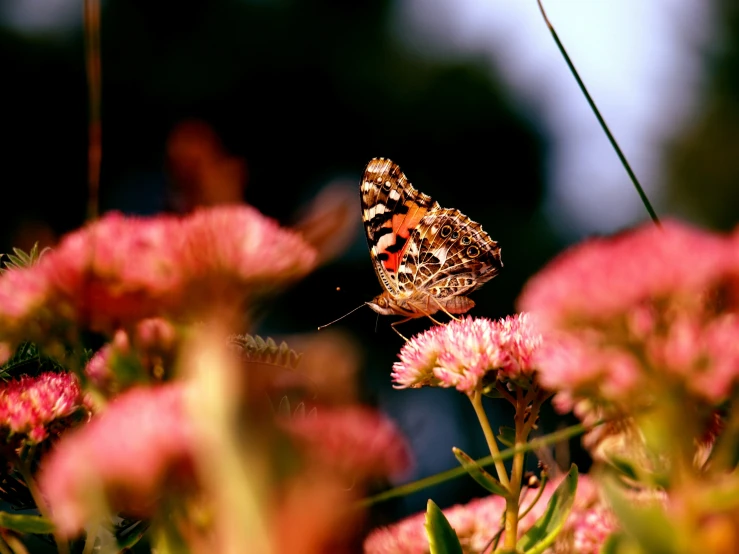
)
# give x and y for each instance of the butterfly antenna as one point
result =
(343, 316)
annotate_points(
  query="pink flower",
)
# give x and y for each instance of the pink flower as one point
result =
(647, 311)
(31, 407)
(355, 441)
(242, 247)
(418, 358)
(576, 365)
(460, 353)
(23, 295)
(120, 270)
(115, 271)
(589, 529)
(98, 369)
(125, 456)
(703, 355)
(155, 334)
(148, 348)
(477, 522)
(601, 278)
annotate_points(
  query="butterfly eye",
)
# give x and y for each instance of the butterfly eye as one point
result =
(455, 235)
(388, 185)
(473, 251)
(466, 240)
(445, 231)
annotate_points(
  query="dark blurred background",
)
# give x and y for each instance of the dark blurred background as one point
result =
(270, 102)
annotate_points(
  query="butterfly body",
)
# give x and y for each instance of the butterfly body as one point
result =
(427, 258)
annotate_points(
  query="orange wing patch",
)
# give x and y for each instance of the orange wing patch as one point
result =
(392, 246)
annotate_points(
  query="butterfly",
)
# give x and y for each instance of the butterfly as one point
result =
(427, 258)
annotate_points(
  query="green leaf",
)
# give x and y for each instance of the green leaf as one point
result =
(620, 543)
(25, 523)
(442, 538)
(21, 259)
(646, 522)
(255, 349)
(547, 527)
(631, 470)
(623, 466)
(132, 533)
(487, 481)
(507, 436)
(283, 410)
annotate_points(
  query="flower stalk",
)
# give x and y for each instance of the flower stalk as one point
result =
(527, 404)
(476, 399)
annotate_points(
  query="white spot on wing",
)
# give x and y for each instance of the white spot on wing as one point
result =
(375, 210)
(441, 254)
(385, 241)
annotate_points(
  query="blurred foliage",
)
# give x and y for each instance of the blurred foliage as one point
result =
(28, 359)
(19, 258)
(703, 166)
(254, 348)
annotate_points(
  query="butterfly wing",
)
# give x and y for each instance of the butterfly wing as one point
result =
(392, 210)
(450, 255)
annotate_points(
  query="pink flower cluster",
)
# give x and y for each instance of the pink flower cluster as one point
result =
(124, 457)
(354, 441)
(31, 406)
(588, 530)
(151, 341)
(627, 316)
(601, 278)
(476, 523)
(460, 353)
(120, 269)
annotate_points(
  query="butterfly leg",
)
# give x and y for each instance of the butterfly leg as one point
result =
(392, 325)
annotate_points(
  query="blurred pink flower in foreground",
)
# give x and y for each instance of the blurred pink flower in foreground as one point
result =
(646, 311)
(234, 250)
(477, 522)
(31, 406)
(343, 449)
(460, 353)
(122, 459)
(121, 269)
(357, 442)
(602, 278)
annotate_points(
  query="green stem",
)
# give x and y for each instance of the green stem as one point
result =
(91, 9)
(536, 499)
(600, 119)
(514, 488)
(25, 471)
(90, 540)
(534, 399)
(476, 399)
(500, 387)
(454, 473)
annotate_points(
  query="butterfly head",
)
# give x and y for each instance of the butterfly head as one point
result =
(383, 304)
(386, 304)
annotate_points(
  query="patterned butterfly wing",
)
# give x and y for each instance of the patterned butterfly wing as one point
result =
(392, 211)
(450, 255)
